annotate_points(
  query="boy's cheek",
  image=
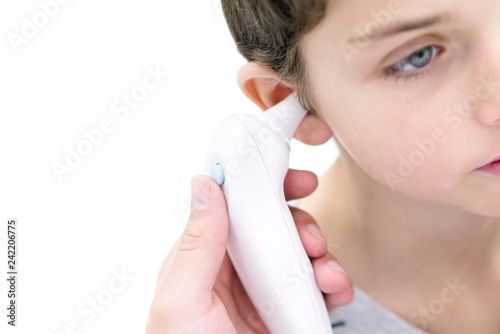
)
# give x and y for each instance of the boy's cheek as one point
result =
(413, 167)
(402, 153)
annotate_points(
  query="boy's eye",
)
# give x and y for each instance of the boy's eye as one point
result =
(415, 61)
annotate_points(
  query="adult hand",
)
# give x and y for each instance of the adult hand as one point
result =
(198, 290)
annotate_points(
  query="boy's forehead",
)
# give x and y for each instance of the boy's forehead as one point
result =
(347, 19)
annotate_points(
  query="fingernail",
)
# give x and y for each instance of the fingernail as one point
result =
(332, 264)
(315, 230)
(201, 193)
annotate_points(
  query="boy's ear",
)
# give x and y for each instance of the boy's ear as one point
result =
(261, 85)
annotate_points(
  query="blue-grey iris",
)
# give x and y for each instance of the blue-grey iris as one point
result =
(421, 58)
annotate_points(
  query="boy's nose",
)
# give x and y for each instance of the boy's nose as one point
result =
(488, 94)
(488, 89)
(490, 115)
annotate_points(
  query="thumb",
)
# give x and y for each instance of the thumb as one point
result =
(202, 245)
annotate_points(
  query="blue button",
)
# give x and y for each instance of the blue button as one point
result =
(217, 173)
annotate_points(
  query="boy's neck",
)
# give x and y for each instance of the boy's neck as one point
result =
(384, 238)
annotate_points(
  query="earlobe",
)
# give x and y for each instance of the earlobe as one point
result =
(261, 85)
(313, 131)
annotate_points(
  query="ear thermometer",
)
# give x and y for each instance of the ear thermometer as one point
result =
(249, 157)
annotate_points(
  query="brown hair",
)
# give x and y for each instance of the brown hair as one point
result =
(268, 32)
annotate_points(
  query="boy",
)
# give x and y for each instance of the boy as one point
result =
(410, 92)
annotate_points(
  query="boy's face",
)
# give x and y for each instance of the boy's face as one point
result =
(415, 99)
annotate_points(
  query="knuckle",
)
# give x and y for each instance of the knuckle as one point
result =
(318, 248)
(194, 237)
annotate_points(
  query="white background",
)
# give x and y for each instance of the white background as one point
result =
(122, 207)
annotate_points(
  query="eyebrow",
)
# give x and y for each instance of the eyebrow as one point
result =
(399, 28)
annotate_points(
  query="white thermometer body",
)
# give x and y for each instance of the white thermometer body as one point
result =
(249, 155)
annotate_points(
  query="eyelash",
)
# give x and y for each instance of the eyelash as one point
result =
(391, 72)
